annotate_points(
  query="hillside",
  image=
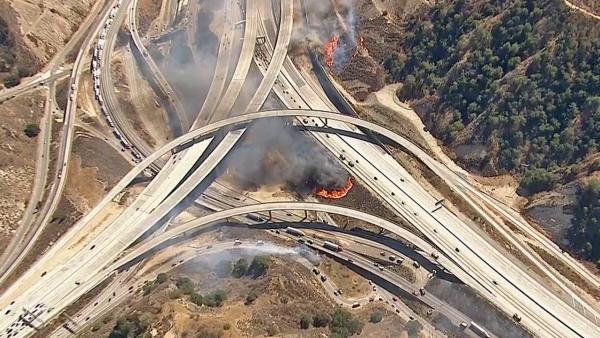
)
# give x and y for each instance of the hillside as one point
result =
(507, 87)
(521, 79)
(32, 32)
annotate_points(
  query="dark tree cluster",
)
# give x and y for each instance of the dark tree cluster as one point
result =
(524, 74)
(213, 299)
(341, 323)
(584, 234)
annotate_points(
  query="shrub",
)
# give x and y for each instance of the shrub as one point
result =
(343, 325)
(196, 298)
(595, 166)
(536, 180)
(376, 317)
(122, 329)
(240, 268)
(272, 330)
(223, 269)
(12, 80)
(252, 296)
(260, 265)
(321, 320)
(215, 299)
(413, 328)
(226, 326)
(145, 320)
(32, 130)
(161, 278)
(175, 294)
(148, 287)
(305, 322)
(185, 285)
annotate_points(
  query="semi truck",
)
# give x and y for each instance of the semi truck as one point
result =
(332, 246)
(294, 231)
(480, 331)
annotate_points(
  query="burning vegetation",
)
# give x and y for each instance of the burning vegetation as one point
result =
(276, 154)
(335, 193)
(329, 50)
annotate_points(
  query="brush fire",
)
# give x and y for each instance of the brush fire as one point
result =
(329, 48)
(334, 193)
(338, 52)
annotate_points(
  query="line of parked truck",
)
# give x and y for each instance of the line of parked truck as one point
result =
(96, 74)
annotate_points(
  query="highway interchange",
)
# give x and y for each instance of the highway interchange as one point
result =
(100, 243)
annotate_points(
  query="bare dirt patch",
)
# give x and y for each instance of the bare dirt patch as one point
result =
(124, 94)
(17, 157)
(352, 284)
(111, 166)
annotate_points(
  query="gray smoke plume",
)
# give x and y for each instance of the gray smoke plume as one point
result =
(277, 154)
(186, 62)
(329, 18)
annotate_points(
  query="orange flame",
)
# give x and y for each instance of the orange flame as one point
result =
(330, 50)
(336, 193)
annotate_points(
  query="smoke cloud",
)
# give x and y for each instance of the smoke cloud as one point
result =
(185, 67)
(277, 154)
(331, 18)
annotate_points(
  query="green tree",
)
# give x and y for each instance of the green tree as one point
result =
(376, 317)
(321, 320)
(344, 325)
(161, 278)
(12, 80)
(122, 329)
(260, 265)
(536, 180)
(185, 285)
(32, 130)
(240, 268)
(584, 234)
(305, 321)
(148, 287)
(196, 298)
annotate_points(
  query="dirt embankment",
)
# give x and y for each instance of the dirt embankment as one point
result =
(17, 157)
(148, 11)
(44, 27)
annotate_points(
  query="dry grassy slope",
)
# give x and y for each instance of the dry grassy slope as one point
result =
(44, 26)
(17, 157)
(287, 291)
(380, 33)
(148, 11)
